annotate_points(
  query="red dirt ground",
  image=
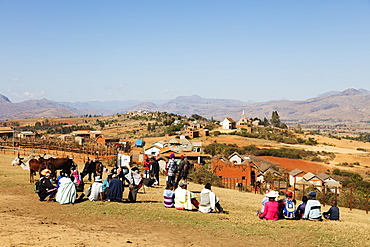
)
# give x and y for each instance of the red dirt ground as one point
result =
(291, 164)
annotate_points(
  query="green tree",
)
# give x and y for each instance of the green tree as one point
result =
(275, 119)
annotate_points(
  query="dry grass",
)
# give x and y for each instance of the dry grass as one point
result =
(241, 227)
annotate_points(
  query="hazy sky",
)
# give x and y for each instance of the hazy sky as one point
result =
(248, 50)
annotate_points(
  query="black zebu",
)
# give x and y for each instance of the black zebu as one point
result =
(94, 167)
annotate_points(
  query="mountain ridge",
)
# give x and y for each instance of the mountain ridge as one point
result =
(348, 105)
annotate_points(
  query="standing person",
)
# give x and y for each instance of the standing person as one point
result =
(96, 190)
(313, 208)
(271, 209)
(301, 208)
(135, 182)
(67, 191)
(47, 189)
(146, 167)
(183, 169)
(169, 197)
(171, 170)
(209, 201)
(115, 189)
(333, 213)
(154, 169)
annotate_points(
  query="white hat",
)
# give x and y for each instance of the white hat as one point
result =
(272, 194)
(98, 179)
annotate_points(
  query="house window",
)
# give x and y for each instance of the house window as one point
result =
(243, 178)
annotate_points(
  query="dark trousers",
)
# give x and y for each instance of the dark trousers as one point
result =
(133, 193)
(219, 208)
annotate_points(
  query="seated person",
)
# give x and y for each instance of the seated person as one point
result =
(115, 189)
(169, 197)
(271, 208)
(313, 208)
(46, 188)
(67, 191)
(333, 213)
(287, 206)
(301, 208)
(209, 201)
(184, 198)
(96, 193)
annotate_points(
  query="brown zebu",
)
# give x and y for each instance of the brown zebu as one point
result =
(53, 164)
(36, 166)
(64, 164)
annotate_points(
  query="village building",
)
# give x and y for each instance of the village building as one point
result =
(329, 182)
(244, 171)
(6, 132)
(312, 179)
(228, 123)
(295, 176)
(243, 122)
(26, 134)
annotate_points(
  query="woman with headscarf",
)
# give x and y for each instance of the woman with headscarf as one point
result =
(66, 192)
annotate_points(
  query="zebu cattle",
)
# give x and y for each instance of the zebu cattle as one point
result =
(35, 165)
(52, 164)
(92, 167)
(23, 162)
(64, 164)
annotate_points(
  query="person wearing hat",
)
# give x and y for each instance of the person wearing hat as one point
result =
(96, 193)
(184, 198)
(313, 208)
(67, 191)
(171, 168)
(271, 208)
(209, 201)
(47, 189)
(183, 169)
(288, 205)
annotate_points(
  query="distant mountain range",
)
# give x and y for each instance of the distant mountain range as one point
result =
(350, 105)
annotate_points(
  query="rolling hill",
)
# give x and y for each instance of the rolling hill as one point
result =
(350, 105)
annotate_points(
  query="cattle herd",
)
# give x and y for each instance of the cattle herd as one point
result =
(37, 164)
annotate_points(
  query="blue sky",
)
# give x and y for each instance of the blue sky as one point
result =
(122, 50)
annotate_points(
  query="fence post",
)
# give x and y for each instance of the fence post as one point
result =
(367, 201)
(336, 193)
(350, 199)
(324, 195)
(304, 190)
(294, 191)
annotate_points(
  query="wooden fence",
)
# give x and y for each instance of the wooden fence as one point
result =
(346, 197)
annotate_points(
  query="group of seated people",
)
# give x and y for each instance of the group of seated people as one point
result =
(64, 188)
(183, 199)
(309, 209)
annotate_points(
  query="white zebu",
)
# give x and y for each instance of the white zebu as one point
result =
(23, 162)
